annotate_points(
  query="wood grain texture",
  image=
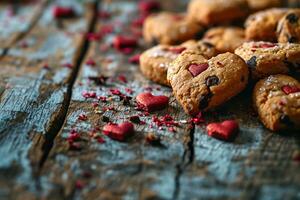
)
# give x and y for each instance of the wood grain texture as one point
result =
(33, 96)
(16, 19)
(134, 168)
(40, 106)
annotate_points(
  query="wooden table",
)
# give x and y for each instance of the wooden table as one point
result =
(47, 65)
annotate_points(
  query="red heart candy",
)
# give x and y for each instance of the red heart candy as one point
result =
(197, 69)
(150, 102)
(226, 130)
(63, 12)
(124, 44)
(177, 50)
(119, 132)
(290, 89)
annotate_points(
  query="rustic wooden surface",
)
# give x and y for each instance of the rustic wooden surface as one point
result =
(44, 72)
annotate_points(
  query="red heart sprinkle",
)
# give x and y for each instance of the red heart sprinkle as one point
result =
(177, 50)
(135, 59)
(148, 6)
(197, 69)
(290, 89)
(226, 130)
(63, 12)
(119, 132)
(150, 102)
(124, 44)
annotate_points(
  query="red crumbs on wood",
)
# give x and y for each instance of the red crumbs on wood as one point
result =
(68, 65)
(86, 94)
(115, 92)
(166, 120)
(135, 59)
(149, 102)
(90, 62)
(93, 36)
(198, 119)
(139, 21)
(63, 12)
(177, 50)
(148, 6)
(119, 132)
(226, 130)
(79, 185)
(104, 14)
(82, 117)
(73, 136)
(100, 140)
(290, 89)
(124, 44)
(106, 29)
(197, 69)
(122, 78)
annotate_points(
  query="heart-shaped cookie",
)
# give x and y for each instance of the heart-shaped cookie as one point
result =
(277, 101)
(226, 130)
(200, 84)
(150, 102)
(119, 132)
(154, 62)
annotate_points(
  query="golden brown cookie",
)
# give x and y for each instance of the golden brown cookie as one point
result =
(265, 58)
(225, 39)
(154, 62)
(264, 4)
(277, 101)
(288, 29)
(169, 28)
(200, 84)
(261, 26)
(208, 12)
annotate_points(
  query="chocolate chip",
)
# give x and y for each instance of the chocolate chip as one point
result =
(154, 41)
(292, 18)
(211, 81)
(209, 45)
(292, 39)
(204, 100)
(199, 35)
(286, 120)
(252, 62)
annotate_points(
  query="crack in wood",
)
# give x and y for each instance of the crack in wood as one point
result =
(58, 123)
(187, 159)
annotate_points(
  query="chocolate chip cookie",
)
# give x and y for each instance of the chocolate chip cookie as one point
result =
(209, 12)
(154, 62)
(265, 58)
(261, 26)
(277, 101)
(264, 4)
(288, 29)
(169, 28)
(225, 39)
(200, 84)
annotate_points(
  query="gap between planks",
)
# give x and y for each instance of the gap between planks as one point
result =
(58, 123)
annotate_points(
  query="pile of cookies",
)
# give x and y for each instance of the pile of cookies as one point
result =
(219, 47)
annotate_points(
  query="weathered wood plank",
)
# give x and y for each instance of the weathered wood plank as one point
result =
(35, 81)
(133, 169)
(16, 19)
